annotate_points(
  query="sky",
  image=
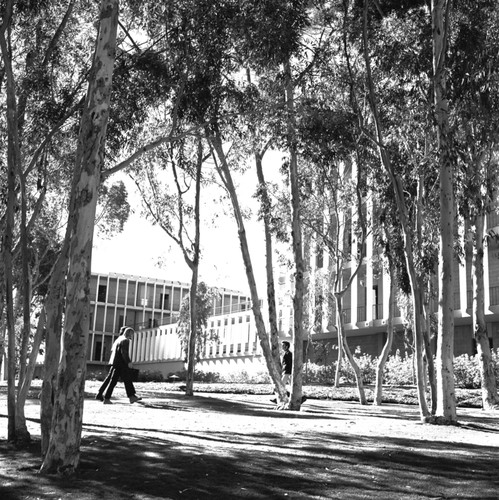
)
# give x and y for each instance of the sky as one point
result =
(141, 246)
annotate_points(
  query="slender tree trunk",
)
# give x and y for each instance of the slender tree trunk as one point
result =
(490, 399)
(191, 349)
(22, 392)
(22, 433)
(194, 264)
(54, 307)
(429, 357)
(269, 266)
(63, 453)
(339, 357)
(380, 365)
(13, 167)
(296, 235)
(337, 285)
(446, 397)
(226, 177)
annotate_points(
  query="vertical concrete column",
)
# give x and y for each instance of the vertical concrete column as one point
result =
(386, 292)
(369, 267)
(115, 305)
(353, 261)
(104, 320)
(135, 347)
(486, 277)
(463, 295)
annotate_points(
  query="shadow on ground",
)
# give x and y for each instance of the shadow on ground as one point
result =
(140, 463)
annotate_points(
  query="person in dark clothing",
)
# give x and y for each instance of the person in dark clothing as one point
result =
(287, 366)
(120, 368)
(287, 369)
(286, 362)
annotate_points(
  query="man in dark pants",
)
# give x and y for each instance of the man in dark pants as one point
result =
(287, 366)
(287, 363)
(120, 368)
(287, 369)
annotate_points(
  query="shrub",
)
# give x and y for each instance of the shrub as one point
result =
(325, 375)
(467, 370)
(200, 376)
(399, 370)
(318, 374)
(367, 366)
(242, 377)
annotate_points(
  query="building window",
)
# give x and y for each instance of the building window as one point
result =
(98, 350)
(101, 294)
(164, 301)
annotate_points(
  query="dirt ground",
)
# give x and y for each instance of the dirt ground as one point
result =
(226, 446)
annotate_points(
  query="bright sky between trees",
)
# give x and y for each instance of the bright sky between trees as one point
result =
(145, 250)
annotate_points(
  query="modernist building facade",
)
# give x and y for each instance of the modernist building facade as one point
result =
(150, 306)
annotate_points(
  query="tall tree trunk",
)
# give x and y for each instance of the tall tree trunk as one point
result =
(191, 348)
(63, 453)
(54, 307)
(22, 434)
(446, 397)
(194, 265)
(13, 168)
(339, 357)
(296, 235)
(226, 177)
(337, 286)
(490, 399)
(22, 391)
(380, 365)
(269, 266)
(430, 364)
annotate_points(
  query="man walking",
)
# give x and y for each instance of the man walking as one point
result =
(287, 363)
(120, 368)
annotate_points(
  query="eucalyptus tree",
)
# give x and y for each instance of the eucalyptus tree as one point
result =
(48, 51)
(396, 121)
(178, 213)
(63, 452)
(446, 398)
(473, 90)
(333, 190)
(41, 99)
(342, 229)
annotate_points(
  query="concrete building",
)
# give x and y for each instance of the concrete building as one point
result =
(151, 307)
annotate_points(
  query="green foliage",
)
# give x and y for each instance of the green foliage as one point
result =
(205, 299)
(399, 370)
(244, 377)
(467, 370)
(114, 209)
